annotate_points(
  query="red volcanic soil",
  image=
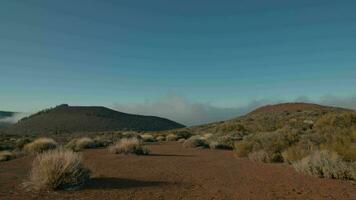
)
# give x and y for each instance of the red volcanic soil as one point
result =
(172, 172)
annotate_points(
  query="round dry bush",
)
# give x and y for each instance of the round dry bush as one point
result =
(182, 140)
(7, 155)
(40, 145)
(148, 138)
(325, 164)
(259, 156)
(128, 146)
(78, 144)
(160, 138)
(58, 169)
(195, 141)
(172, 137)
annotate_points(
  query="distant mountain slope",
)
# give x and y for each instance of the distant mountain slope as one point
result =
(270, 118)
(64, 119)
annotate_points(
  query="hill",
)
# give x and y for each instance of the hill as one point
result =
(271, 118)
(288, 133)
(68, 119)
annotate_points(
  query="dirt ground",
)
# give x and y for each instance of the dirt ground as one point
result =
(172, 172)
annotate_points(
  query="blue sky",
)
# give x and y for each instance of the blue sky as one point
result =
(217, 53)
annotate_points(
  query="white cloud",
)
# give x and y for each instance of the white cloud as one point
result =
(186, 112)
(14, 118)
(189, 113)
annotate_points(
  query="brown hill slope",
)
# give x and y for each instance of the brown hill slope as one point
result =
(67, 119)
(271, 118)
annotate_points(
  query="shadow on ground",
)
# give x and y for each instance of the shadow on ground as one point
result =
(120, 183)
(168, 155)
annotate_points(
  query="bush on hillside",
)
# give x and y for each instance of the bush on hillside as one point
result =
(259, 156)
(195, 141)
(326, 164)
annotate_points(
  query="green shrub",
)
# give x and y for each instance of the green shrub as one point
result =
(58, 169)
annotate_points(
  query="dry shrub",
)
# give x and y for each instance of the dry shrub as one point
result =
(101, 141)
(160, 138)
(259, 156)
(325, 164)
(78, 144)
(181, 140)
(299, 151)
(40, 145)
(128, 146)
(243, 148)
(222, 141)
(207, 136)
(7, 155)
(148, 138)
(172, 137)
(21, 142)
(195, 141)
(58, 169)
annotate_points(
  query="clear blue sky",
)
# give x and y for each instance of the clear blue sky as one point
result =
(92, 52)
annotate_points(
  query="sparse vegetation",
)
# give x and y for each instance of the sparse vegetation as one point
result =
(40, 145)
(148, 138)
(160, 138)
(195, 141)
(259, 156)
(57, 169)
(129, 146)
(7, 155)
(325, 164)
(172, 137)
(78, 144)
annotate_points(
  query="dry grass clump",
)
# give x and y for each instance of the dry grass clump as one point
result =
(78, 144)
(273, 143)
(172, 137)
(222, 141)
(259, 156)
(326, 164)
(40, 145)
(182, 140)
(160, 138)
(195, 141)
(128, 146)
(58, 169)
(148, 138)
(8, 155)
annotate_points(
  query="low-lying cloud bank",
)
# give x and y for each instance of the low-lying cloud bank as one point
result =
(14, 118)
(190, 113)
